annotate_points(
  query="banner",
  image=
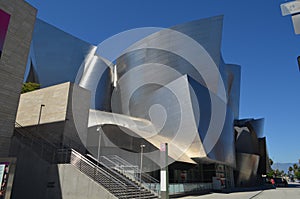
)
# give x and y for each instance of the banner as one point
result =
(4, 21)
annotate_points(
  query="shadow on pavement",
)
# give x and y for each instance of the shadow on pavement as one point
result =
(206, 192)
(235, 190)
(226, 191)
(246, 189)
(293, 185)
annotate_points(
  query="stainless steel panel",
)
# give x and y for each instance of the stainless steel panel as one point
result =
(56, 55)
(172, 86)
(176, 82)
(247, 165)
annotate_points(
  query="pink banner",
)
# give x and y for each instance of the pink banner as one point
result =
(4, 21)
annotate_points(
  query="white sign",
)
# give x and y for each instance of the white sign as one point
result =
(162, 147)
(163, 181)
(296, 23)
(2, 168)
(289, 8)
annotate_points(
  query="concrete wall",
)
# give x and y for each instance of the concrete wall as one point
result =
(31, 174)
(76, 185)
(64, 118)
(12, 65)
(55, 99)
(36, 178)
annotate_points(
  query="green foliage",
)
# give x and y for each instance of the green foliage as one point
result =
(278, 173)
(297, 175)
(295, 167)
(271, 174)
(294, 171)
(30, 86)
(275, 173)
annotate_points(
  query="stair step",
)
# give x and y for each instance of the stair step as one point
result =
(133, 189)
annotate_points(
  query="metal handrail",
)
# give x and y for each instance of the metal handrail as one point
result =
(56, 154)
(35, 141)
(116, 184)
(129, 165)
(151, 185)
(114, 165)
(113, 171)
(34, 136)
(119, 167)
(82, 158)
(121, 160)
(65, 142)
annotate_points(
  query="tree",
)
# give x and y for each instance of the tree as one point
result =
(290, 170)
(271, 174)
(282, 173)
(271, 162)
(30, 86)
(278, 173)
(295, 166)
(297, 175)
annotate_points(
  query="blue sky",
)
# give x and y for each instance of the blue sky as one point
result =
(255, 36)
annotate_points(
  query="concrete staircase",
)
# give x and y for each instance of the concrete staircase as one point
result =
(132, 172)
(116, 183)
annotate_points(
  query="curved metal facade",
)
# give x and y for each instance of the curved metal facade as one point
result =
(172, 79)
(251, 151)
(175, 79)
(55, 56)
(171, 86)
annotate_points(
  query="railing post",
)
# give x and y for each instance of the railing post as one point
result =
(66, 156)
(95, 173)
(80, 165)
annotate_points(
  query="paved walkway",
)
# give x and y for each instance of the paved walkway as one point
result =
(292, 191)
(237, 195)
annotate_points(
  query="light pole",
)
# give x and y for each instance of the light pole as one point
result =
(40, 114)
(38, 125)
(99, 143)
(141, 167)
(39, 120)
(164, 176)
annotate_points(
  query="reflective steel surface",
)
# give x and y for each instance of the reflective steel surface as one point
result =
(251, 151)
(170, 86)
(55, 55)
(177, 83)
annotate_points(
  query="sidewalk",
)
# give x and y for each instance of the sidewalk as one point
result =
(292, 191)
(236, 193)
